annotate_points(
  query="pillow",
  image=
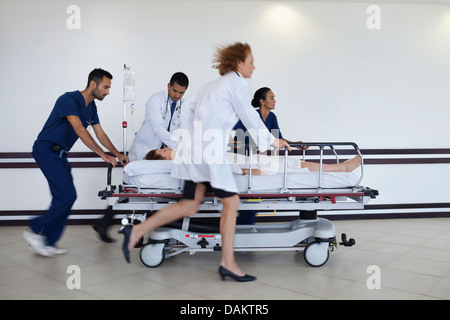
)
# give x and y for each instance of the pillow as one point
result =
(140, 167)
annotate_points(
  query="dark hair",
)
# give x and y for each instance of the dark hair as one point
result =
(180, 78)
(151, 155)
(97, 76)
(259, 94)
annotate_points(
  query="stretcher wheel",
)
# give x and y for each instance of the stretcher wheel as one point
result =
(316, 254)
(152, 254)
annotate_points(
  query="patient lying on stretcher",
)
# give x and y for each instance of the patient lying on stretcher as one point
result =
(263, 164)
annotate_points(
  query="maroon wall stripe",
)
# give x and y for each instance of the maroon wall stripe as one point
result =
(27, 155)
(346, 152)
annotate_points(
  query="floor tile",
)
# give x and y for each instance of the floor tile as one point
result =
(411, 256)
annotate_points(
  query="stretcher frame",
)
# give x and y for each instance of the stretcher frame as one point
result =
(316, 235)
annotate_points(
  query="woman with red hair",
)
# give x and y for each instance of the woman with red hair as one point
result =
(201, 158)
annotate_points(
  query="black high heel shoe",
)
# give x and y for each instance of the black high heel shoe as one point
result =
(126, 231)
(227, 273)
(103, 234)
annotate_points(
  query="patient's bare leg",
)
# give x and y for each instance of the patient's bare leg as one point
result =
(183, 208)
(346, 166)
(254, 171)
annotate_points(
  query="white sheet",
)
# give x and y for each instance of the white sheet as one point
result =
(144, 174)
(141, 167)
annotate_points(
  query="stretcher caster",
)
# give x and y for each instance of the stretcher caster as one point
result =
(152, 254)
(316, 254)
(345, 242)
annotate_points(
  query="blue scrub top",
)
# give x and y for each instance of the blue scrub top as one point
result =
(271, 124)
(58, 129)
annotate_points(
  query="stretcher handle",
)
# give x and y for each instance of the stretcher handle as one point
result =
(322, 145)
(109, 174)
(108, 177)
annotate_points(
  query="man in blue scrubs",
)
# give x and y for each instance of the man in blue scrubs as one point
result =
(69, 120)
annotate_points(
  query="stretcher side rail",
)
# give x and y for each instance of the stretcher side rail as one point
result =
(322, 146)
(303, 145)
(109, 191)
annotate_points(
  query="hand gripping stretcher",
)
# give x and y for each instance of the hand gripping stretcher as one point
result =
(269, 195)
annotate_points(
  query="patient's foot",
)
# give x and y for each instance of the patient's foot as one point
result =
(352, 164)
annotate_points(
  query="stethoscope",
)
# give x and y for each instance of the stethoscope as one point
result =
(174, 111)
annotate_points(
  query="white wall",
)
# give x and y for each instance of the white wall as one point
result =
(334, 78)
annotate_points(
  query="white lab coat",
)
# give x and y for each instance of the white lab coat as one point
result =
(153, 132)
(206, 123)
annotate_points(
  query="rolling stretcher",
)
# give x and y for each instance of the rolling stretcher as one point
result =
(287, 194)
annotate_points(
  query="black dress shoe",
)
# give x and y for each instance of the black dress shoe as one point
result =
(227, 273)
(126, 231)
(102, 233)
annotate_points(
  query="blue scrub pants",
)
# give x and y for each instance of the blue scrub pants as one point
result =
(246, 217)
(57, 171)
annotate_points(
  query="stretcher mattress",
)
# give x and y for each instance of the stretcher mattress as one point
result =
(156, 175)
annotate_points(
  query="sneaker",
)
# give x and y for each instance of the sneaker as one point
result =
(56, 250)
(37, 244)
(50, 249)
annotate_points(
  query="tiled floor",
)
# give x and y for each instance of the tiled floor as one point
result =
(413, 257)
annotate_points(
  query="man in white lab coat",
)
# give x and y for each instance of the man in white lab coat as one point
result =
(162, 117)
